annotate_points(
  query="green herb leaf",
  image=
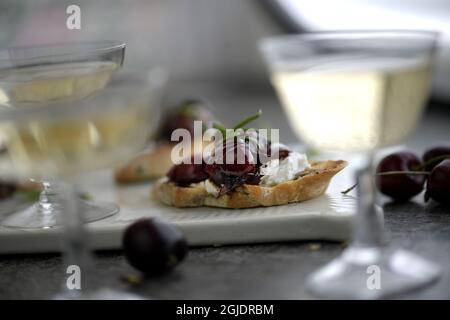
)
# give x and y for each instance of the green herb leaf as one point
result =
(248, 120)
(240, 125)
(132, 279)
(188, 109)
(86, 196)
(31, 195)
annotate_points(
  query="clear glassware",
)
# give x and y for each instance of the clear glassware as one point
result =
(357, 91)
(45, 74)
(61, 140)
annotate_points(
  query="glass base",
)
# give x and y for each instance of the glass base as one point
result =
(34, 218)
(99, 294)
(372, 273)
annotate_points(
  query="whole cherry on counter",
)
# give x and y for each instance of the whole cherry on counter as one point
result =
(392, 182)
(154, 246)
(438, 184)
(435, 155)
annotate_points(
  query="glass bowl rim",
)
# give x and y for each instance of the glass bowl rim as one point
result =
(102, 46)
(91, 104)
(265, 42)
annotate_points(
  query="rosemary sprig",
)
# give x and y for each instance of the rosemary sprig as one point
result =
(248, 120)
(240, 125)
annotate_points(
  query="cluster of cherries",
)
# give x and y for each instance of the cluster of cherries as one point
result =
(402, 175)
(229, 173)
(155, 247)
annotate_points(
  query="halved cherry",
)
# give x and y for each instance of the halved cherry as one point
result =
(187, 173)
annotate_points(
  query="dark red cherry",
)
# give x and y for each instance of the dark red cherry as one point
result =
(236, 169)
(237, 159)
(153, 246)
(183, 116)
(440, 153)
(187, 173)
(237, 165)
(7, 189)
(400, 187)
(176, 122)
(283, 151)
(438, 184)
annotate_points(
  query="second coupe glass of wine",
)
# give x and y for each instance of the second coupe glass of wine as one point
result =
(62, 140)
(357, 91)
(32, 76)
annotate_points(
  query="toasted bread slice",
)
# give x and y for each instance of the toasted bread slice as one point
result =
(151, 164)
(310, 184)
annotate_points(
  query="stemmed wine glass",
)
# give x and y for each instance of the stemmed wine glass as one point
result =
(62, 140)
(357, 91)
(55, 73)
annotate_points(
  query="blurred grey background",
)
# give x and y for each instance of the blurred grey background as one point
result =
(209, 47)
(200, 40)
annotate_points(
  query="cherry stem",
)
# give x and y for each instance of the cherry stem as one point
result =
(432, 160)
(389, 173)
(349, 189)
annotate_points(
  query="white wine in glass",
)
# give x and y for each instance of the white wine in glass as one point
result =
(357, 91)
(54, 147)
(365, 103)
(63, 140)
(31, 85)
(34, 76)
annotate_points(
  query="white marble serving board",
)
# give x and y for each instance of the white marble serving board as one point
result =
(329, 217)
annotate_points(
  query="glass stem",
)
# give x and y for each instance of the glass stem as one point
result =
(369, 223)
(77, 258)
(48, 199)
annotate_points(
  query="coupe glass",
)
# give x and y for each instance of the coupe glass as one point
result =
(357, 92)
(48, 74)
(62, 140)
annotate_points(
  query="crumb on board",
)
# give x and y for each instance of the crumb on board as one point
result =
(132, 279)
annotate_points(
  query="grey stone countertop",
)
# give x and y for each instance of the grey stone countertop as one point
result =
(266, 271)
